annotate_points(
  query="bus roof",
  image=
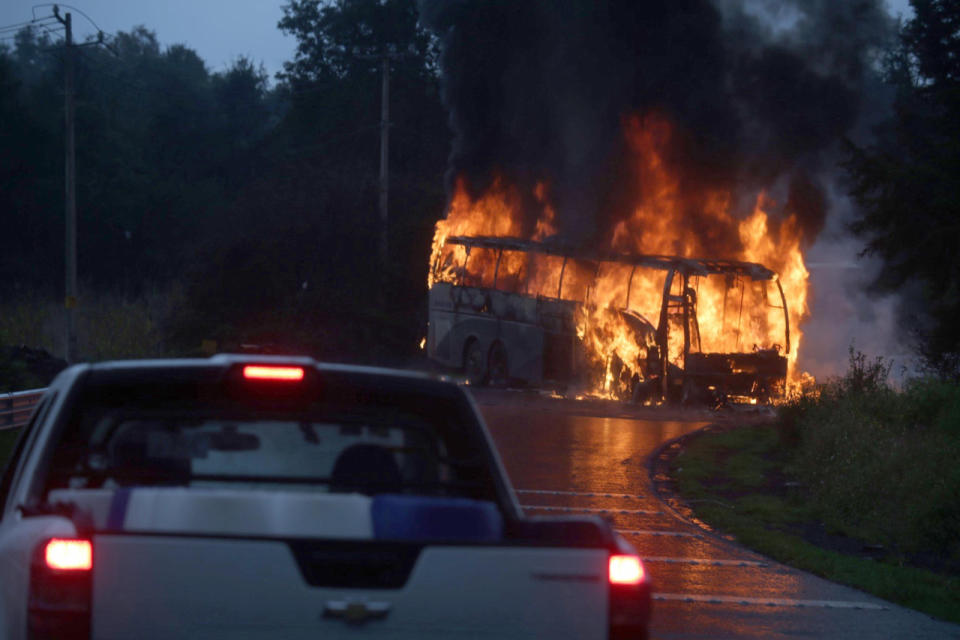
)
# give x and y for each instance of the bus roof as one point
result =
(690, 266)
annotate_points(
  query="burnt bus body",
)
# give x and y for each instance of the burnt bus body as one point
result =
(502, 326)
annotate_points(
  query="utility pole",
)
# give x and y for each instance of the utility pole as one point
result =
(70, 177)
(384, 160)
(70, 181)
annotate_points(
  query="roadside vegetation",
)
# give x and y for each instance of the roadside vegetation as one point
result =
(254, 200)
(109, 326)
(855, 480)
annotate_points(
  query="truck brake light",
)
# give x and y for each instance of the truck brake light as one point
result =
(265, 372)
(69, 555)
(625, 569)
(629, 597)
(61, 584)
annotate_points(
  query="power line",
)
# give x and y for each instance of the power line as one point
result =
(22, 25)
(80, 11)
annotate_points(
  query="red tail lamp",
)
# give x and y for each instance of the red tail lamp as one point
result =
(266, 372)
(69, 555)
(625, 569)
(61, 585)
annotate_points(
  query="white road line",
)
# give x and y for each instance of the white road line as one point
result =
(547, 492)
(648, 532)
(707, 561)
(769, 602)
(544, 507)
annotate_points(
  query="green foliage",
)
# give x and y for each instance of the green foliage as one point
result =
(880, 464)
(260, 203)
(32, 321)
(109, 326)
(113, 327)
(908, 182)
(339, 39)
(297, 264)
(733, 481)
(159, 140)
(863, 376)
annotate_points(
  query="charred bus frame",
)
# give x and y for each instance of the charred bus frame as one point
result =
(499, 336)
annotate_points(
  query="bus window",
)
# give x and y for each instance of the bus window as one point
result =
(544, 275)
(449, 267)
(578, 277)
(737, 314)
(481, 264)
(610, 287)
(512, 273)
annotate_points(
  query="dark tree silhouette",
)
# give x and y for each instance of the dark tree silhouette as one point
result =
(908, 183)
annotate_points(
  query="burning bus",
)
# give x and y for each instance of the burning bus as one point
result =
(673, 288)
(636, 327)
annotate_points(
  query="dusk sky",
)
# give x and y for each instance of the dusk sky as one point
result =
(218, 30)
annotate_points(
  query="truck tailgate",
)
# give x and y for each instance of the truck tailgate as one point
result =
(162, 586)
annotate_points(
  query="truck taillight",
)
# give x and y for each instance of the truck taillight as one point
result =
(69, 555)
(625, 569)
(629, 597)
(265, 372)
(60, 596)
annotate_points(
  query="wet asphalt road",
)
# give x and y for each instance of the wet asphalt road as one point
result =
(565, 457)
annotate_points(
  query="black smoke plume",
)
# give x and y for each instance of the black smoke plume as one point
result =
(761, 92)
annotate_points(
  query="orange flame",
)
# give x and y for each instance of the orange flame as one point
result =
(669, 218)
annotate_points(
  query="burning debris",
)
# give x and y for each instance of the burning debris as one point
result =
(683, 131)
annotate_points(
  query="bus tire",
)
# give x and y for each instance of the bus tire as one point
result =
(474, 363)
(498, 365)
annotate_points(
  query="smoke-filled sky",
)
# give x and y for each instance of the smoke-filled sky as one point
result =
(758, 96)
(759, 92)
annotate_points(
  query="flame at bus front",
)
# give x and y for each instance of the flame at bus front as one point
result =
(675, 219)
(622, 304)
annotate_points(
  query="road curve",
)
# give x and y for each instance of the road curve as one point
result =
(568, 457)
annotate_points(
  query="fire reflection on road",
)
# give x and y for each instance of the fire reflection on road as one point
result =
(563, 464)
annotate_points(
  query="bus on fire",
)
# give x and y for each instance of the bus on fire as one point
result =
(644, 328)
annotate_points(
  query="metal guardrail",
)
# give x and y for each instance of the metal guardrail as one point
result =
(16, 408)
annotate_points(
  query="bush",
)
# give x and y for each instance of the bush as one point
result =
(108, 326)
(34, 321)
(880, 464)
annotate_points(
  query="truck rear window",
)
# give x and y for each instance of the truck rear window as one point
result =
(384, 444)
(360, 456)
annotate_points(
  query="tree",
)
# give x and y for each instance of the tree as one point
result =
(338, 39)
(162, 146)
(31, 169)
(907, 183)
(333, 83)
(260, 203)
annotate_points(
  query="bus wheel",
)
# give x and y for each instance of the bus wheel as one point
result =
(475, 363)
(498, 365)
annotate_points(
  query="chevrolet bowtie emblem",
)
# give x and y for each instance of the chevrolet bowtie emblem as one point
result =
(356, 611)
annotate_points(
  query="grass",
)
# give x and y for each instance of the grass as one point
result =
(744, 482)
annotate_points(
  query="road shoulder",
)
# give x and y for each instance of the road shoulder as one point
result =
(733, 482)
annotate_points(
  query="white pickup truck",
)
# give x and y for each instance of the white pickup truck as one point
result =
(250, 497)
